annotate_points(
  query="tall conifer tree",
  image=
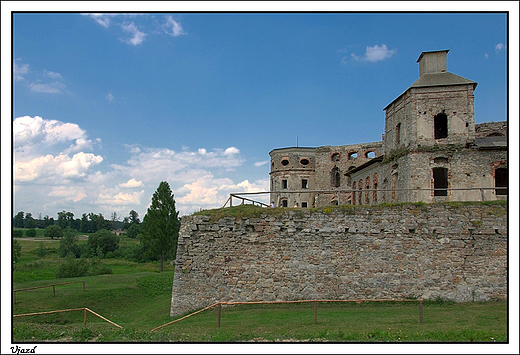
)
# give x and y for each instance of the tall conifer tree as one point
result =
(161, 223)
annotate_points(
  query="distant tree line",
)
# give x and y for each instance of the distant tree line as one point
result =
(157, 234)
(88, 223)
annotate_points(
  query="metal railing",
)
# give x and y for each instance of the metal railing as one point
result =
(376, 196)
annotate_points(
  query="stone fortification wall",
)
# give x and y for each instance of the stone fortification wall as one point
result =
(491, 128)
(425, 251)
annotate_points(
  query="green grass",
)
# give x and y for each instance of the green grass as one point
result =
(137, 297)
(253, 211)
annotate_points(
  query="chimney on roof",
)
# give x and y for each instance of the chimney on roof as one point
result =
(432, 62)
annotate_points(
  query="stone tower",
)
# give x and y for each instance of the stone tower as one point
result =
(438, 109)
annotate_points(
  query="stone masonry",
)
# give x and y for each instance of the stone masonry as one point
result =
(457, 252)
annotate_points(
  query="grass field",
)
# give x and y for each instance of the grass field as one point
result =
(137, 297)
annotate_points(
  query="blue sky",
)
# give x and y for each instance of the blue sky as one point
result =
(106, 106)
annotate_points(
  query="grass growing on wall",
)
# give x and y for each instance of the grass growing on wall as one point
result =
(253, 211)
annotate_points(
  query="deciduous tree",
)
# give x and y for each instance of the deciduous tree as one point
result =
(53, 232)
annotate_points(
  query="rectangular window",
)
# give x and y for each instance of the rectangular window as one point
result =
(284, 203)
(441, 126)
(305, 184)
(284, 184)
(501, 181)
(304, 204)
(440, 181)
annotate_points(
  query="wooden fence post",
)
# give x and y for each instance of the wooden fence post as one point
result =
(83, 285)
(14, 297)
(85, 318)
(54, 290)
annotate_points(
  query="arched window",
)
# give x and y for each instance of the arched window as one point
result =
(398, 134)
(370, 154)
(360, 186)
(354, 193)
(374, 186)
(367, 187)
(335, 177)
(335, 157)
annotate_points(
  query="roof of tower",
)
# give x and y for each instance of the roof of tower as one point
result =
(441, 79)
(433, 72)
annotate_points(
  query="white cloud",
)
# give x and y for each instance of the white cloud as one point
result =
(178, 166)
(79, 145)
(54, 168)
(48, 88)
(120, 199)
(51, 74)
(131, 183)
(374, 54)
(500, 47)
(101, 19)
(19, 70)
(261, 163)
(137, 36)
(31, 134)
(110, 97)
(68, 193)
(231, 151)
(209, 192)
(172, 27)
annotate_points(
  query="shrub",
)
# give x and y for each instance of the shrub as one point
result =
(82, 267)
(98, 268)
(72, 268)
(31, 233)
(17, 250)
(17, 233)
(101, 243)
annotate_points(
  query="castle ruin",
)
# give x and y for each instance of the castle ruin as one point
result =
(431, 151)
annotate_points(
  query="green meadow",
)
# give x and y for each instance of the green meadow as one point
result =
(137, 297)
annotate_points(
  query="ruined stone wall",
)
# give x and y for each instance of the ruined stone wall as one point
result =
(456, 102)
(487, 128)
(414, 112)
(425, 251)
